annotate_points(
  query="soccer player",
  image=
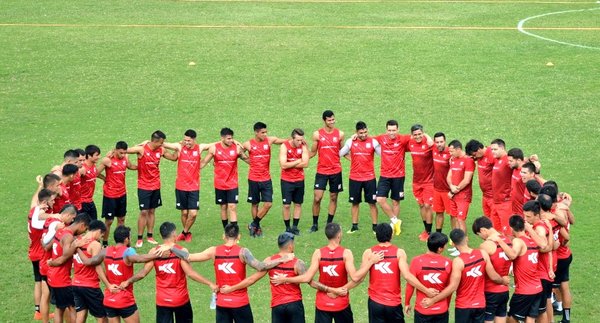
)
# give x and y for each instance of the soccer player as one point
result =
(468, 280)
(361, 152)
(187, 182)
(420, 147)
(114, 195)
(433, 271)
(172, 295)
(392, 171)
(293, 158)
(529, 174)
(441, 166)
(496, 295)
(501, 189)
(327, 143)
(72, 188)
(260, 186)
(460, 178)
(49, 181)
(564, 259)
(63, 198)
(516, 159)
(226, 154)
(485, 164)
(89, 172)
(75, 186)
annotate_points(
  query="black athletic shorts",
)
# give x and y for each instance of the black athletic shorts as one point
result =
(260, 191)
(114, 207)
(469, 315)
(149, 199)
(343, 316)
(288, 313)
(238, 314)
(562, 271)
(522, 306)
(37, 277)
(334, 180)
(369, 188)
(91, 299)
(393, 184)
(90, 209)
(187, 200)
(292, 192)
(226, 196)
(379, 313)
(120, 312)
(438, 318)
(181, 313)
(495, 305)
(64, 297)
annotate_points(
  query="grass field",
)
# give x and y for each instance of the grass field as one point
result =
(76, 73)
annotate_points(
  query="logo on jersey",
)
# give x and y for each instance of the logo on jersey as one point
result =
(298, 150)
(475, 272)
(226, 267)
(167, 268)
(384, 267)
(330, 270)
(77, 259)
(368, 145)
(231, 153)
(503, 255)
(157, 155)
(195, 153)
(266, 147)
(433, 278)
(114, 268)
(334, 139)
(533, 258)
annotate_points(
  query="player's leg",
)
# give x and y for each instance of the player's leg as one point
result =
(37, 289)
(370, 189)
(243, 314)
(184, 313)
(80, 305)
(184, 219)
(232, 200)
(45, 300)
(323, 316)
(318, 192)
(298, 199)
(266, 196)
(355, 199)
(164, 314)
(335, 187)
(383, 190)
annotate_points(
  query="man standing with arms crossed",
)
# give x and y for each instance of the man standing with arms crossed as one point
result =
(327, 142)
(293, 158)
(420, 147)
(460, 177)
(88, 181)
(501, 179)
(485, 164)
(441, 166)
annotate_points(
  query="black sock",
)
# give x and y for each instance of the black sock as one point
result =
(566, 314)
(184, 233)
(438, 230)
(315, 220)
(104, 243)
(224, 222)
(37, 308)
(295, 223)
(149, 235)
(374, 225)
(354, 226)
(287, 224)
(140, 237)
(256, 221)
(330, 218)
(428, 227)
(425, 225)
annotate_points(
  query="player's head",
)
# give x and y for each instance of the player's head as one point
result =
(417, 132)
(517, 224)
(232, 231)
(515, 157)
(157, 139)
(545, 202)
(189, 138)
(498, 148)
(551, 183)
(391, 128)
(68, 213)
(226, 136)
(285, 242)
(482, 227)
(68, 172)
(71, 156)
(167, 230)
(474, 149)
(51, 181)
(455, 148)
(383, 232)
(329, 118)
(527, 172)
(533, 187)
(436, 242)
(361, 130)
(121, 149)
(80, 157)
(551, 191)
(333, 231)
(92, 153)
(81, 223)
(97, 229)
(122, 235)
(439, 139)
(46, 197)
(458, 237)
(531, 211)
(260, 130)
(297, 137)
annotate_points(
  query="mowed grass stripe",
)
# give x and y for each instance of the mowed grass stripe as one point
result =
(409, 1)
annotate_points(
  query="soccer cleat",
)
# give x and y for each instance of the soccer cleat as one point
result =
(37, 316)
(295, 231)
(352, 230)
(252, 230)
(314, 228)
(397, 227)
(151, 240)
(424, 236)
(188, 237)
(181, 237)
(258, 232)
(139, 243)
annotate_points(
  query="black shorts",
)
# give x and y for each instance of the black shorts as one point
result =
(495, 305)
(149, 199)
(91, 299)
(562, 271)
(238, 314)
(394, 184)
(469, 315)
(64, 297)
(260, 191)
(343, 316)
(187, 200)
(523, 306)
(120, 312)
(226, 196)
(181, 313)
(379, 313)
(546, 294)
(368, 187)
(437, 318)
(288, 313)
(90, 209)
(37, 277)
(114, 207)
(292, 192)
(334, 180)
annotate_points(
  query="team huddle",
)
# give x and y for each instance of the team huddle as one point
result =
(524, 230)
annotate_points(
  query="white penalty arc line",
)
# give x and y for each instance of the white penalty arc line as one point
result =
(521, 29)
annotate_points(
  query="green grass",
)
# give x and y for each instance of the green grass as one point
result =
(98, 81)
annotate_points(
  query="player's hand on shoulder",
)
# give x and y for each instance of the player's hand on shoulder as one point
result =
(376, 257)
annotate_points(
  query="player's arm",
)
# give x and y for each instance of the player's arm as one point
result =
(539, 236)
(565, 234)
(247, 282)
(466, 180)
(242, 154)
(511, 252)
(139, 275)
(305, 158)
(136, 150)
(409, 290)
(283, 159)
(34, 199)
(276, 140)
(315, 144)
(68, 250)
(104, 163)
(429, 140)
(304, 277)
(49, 236)
(247, 257)
(409, 277)
(377, 147)
(130, 256)
(93, 261)
(368, 259)
(457, 267)
(449, 181)
(207, 254)
(190, 272)
(174, 146)
(208, 157)
(345, 150)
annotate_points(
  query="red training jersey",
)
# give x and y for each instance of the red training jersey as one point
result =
(517, 191)
(501, 179)
(441, 166)
(485, 165)
(332, 273)
(284, 293)
(422, 161)
(543, 257)
(114, 184)
(392, 155)
(433, 271)
(117, 271)
(384, 277)
(260, 160)
(171, 282)
(563, 251)
(328, 148)
(230, 270)
(525, 268)
(88, 183)
(60, 276)
(84, 276)
(36, 251)
(75, 190)
(459, 167)
(47, 253)
(362, 156)
(148, 170)
(188, 169)
(292, 174)
(470, 292)
(61, 199)
(226, 170)
(501, 264)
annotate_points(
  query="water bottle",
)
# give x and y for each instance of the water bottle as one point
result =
(213, 301)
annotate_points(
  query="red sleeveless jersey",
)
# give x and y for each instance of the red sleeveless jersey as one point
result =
(284, 293)
(62, 199)
(517, 191)
(88, 183)
(525, 268)
(75, 190)
(226, 170)
(459, 167)
(328, 148)
(392, 155)
(422, 161)
(501, 264)
(384, 277)
(84, 276)
(543, 257)
(47, 254)
(292, 174)
(332, 273)
(485, 166)
(148, 170)
(36, 251)
(470, 292)
(433, 271)
(260, 160)
(60, 276)
(230, 270)
(563, 251)
(362, 155)
(441, 166)
(188, 169)
(114, 185)
(501, 179)
(171, 282)
(117, 271)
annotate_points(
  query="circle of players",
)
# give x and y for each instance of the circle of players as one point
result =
(525, 230)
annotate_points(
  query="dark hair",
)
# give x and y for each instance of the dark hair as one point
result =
(332, 230)
(50, 179)
(416, 127)
(528, 166)
(457, 236)
(91, 150)
(551, 183)
(545, 202)
(533, 186)
(391, 123)
(190, 133)
(473, 146)
(383, 232)
(284, 239)
(327, 114)
(436, 241)
(361, 125)
(516, 153)
(83, 218)
(439, 134)
(97, 225)
(226, 132)
(499, 142)
(167, 229)
(297, 132)
(121, 233)
(259, 126)
(45, 195)
(482, 222)
(121, 145)
(232, 230)
(532, 206)
(455, 144)
(69, 169)
(80, 152)
(516, 223)
(158, 135)
(71, 154)
(550, 191)
(68, 208)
